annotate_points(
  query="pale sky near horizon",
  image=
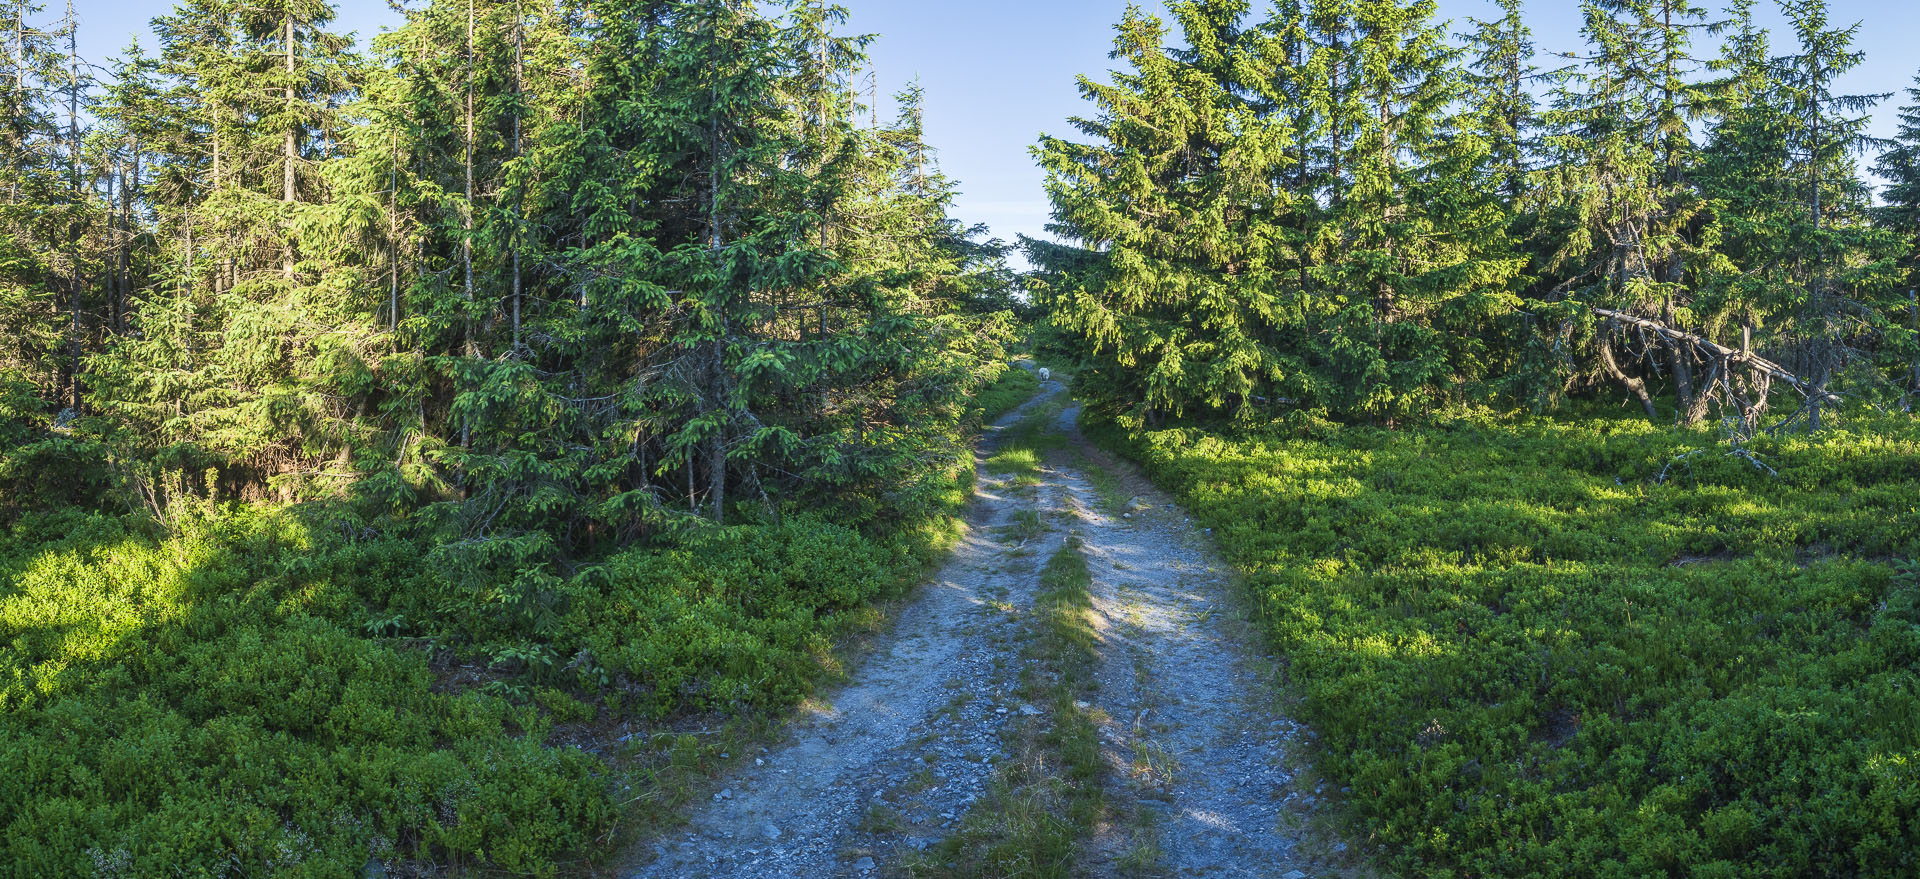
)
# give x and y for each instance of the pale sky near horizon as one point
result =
(999, 72)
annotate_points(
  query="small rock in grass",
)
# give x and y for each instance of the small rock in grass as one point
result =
(724, 794)
(1081, 705)
(1029, 710)
(864, 865)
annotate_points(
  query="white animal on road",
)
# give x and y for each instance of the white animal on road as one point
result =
(1046, 374)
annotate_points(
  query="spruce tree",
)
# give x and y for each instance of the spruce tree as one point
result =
(1178, 309)
(1841, 265)
(1419, 260)
(1899, 214)
(1501, 98)
(234, 363)
(1623, 215)
(1899, 166)
(29, 232)
(1742, 170)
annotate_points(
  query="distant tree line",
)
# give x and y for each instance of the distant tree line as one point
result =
(1344, 208)
(582, 265)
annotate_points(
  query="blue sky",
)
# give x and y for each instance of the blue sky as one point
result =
(999, 72)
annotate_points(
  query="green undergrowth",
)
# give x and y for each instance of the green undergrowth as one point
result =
(301, 692)
(1591, 648)
(1047, 797)
(1005, 394)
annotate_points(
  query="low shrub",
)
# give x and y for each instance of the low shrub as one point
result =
(186, 707)
(298, 692)
(1594, 648)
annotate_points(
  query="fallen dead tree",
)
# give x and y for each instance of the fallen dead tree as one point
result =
(1751, 399)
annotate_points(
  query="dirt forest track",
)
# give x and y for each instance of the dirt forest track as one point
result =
(1196, 750)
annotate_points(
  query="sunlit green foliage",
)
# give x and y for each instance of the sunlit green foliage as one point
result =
(296, 693)
(1591, 647)
(211, 701)
(1284, 212)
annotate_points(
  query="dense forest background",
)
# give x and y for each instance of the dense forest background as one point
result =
(557, 263)
(1339, 209)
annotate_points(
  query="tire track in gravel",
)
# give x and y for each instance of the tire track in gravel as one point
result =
(896, 757)
(1195, 743)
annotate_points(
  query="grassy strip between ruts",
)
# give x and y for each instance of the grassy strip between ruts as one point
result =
(1047, 796)
(1547, 648)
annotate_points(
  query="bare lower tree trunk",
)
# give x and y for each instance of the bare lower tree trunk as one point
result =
(116, 183)
(1696, 410)
(290, 154)
(19, 88)
(716, 358)
(1635, 386)
(221, 268)
(128, 184)
(1680, 360)
(519, 201)
(466, 240)
(393, 239)
(75, 287)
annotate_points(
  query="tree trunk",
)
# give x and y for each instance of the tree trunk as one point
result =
(1680, 360)
(75, 287)
(466, 239)
(393, 239)
(290, 154)
(220, 270)
(19, 89)
(128, 186)
(1702, 398)
(1635, 386)
(519, 199)
(716, 357)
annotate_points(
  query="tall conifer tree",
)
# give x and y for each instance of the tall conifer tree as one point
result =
(1178, 309)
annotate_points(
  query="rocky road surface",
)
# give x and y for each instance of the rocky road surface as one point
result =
(1197, 749)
